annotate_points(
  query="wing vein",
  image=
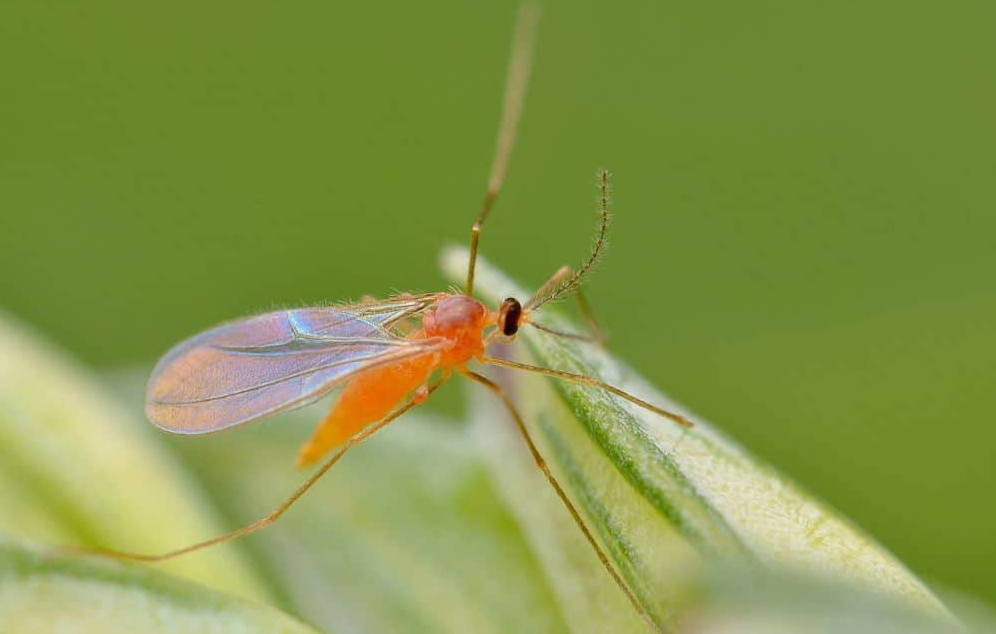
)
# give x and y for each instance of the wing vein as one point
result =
(253, 367)
(327, 366)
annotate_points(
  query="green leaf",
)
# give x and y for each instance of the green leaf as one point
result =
(428, 526)
(40, 594)
(77, 468)
(666, 502)
(405, 533)
(747, 601)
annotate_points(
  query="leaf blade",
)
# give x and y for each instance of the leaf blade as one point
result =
(40, 593)
(720, 500)
(82, 469)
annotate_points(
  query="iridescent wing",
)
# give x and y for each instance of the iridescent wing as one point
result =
(250, 368)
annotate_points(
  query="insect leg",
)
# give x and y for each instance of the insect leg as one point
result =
(587, 338)
(595, 329)
(595, 333)
(265, 521)
(515, 89)
(541, 463)
(587, 380)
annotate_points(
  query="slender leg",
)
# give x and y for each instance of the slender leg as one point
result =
(589, 338)
(587, 380)
(265, 521)
(515, 90)
(594, 328)
(541, 463)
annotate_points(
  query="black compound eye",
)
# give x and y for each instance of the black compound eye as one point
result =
(509, 316)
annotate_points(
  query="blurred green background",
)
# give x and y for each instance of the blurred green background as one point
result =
(804, 249)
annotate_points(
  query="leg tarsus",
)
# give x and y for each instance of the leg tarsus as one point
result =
(587, 338)
(541, 463)
(587, 380)
(239, 532)
(273, 515)
(595, 333)
(595, 329)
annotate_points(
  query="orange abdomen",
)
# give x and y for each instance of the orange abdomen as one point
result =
(367, 398)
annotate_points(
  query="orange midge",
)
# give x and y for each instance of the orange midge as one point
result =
(456, 321)
(382, 353)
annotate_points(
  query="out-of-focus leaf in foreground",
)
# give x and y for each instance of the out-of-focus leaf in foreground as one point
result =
(428, 526)
(665, 502)
(405, 534)
(754, 601)
(40, 594)
(75, 467)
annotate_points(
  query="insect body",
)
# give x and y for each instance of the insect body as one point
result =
(256, 367)
(386, 355)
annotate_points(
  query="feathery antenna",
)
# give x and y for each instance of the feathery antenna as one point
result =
(573, 282)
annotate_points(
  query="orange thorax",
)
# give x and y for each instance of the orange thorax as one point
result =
(375, 393)
(461, 320)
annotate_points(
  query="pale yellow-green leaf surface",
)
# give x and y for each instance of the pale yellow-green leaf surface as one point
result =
(76, 468)
(40, 594)
(666, 502)
(405, 534)
(759, 601)
(431, 525)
